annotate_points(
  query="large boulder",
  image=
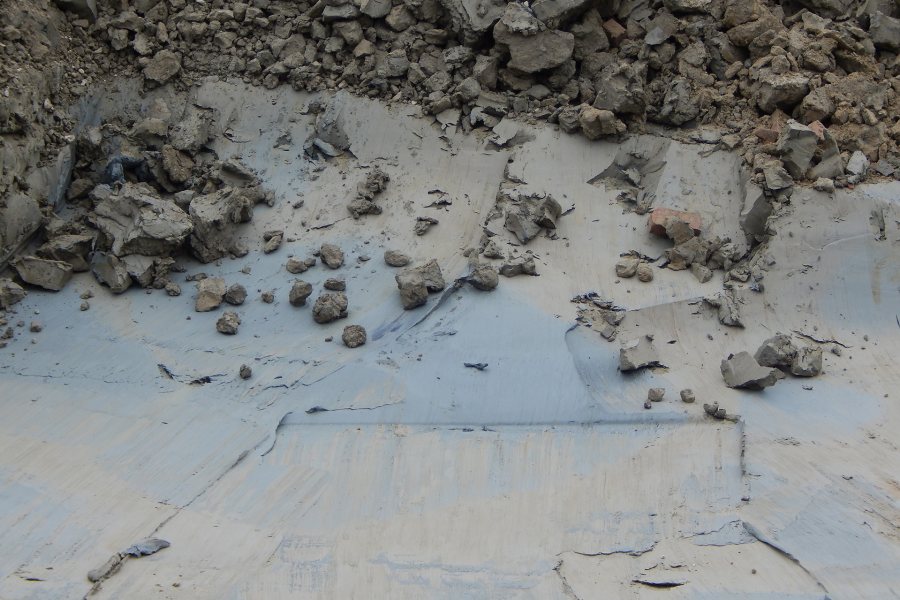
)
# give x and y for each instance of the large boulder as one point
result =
(51, 275)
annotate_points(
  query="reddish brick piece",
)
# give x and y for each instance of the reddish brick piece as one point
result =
(659, 216)
(614, 31)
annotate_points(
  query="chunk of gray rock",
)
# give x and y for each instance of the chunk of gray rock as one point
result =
(296, 265)
(228, 323)
(532, 47)
(215, 218)
(742, 371)
(236, 294)
(164, 65)
(807, 362)
(627, 267)
(329, 307)
(423, 224)
(245, 372)
(69, 248)
(687, 396)
(524, 266)
(857, 167)
(529, 214)
(300, 291)
(797, 147)
(656, 394)
(210, 293)
(394, 258)
(644, 273)
(354, 336)
(51, 275)
(777, 351)
(10, 293)
(111, 271)
(415, 284)
(331, 255)
(885, 31)
(484, 278)
(335, 284)
(637, 354)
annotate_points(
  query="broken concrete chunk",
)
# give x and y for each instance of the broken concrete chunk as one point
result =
(777, 351)
(484, 278)
(395, 258)
(637, 354)
(236, 294)
(728, 308)
(210, 293)
(659, 218)
(329, 307)
(807, 362)
(228, 323)
(797, 147)
(51, 275)
(627, 267)
(300, 291)
(525, 266)
(354, 336)
(10, 293)
(423, 224)
(69, 248)
(111, 271)
(331, 255)
(742, 371)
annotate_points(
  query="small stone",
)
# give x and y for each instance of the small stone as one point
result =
(85, 305)
(423, 224)
(10, 293)
(236, 294)
(329, 307)
(331, 255)
(36, 327)
(173, 289)
(656, 394)
(648, 405)
(484, 278)
(701, 272)
(273, 243)
(296, 265)
(245, 372)
(268, 296)
(228, 323)
(335, 284)
(777, 351)
(687, 396)
(807, 362)
(823, 184)
(644, 273)
(394, 258)
(354, 336)
(627, 267)
(300, 291)
(210, 293)
(415, 284)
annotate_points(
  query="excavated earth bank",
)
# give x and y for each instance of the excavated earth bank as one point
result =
(449, 299)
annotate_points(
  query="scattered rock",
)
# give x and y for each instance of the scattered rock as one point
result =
(228, 323)
(687, 396)
(656, 394)
(777, 351)
(394, 258)
(51, 275)
(637, 354)
(210, 293)
(273, 240)
(807, 362)
(415, 284)
(644, 272)
(335, 284)
(529, 214)
(659, 218)
(742, 371)
(423, 224)
(236, 294)
(484, 278)
(10, 293)
(245, 372)
(296, 265)
(329, 307)
(173, 289)
(36, 327)
(164, 65)
(714, 411)
(354, 336)
(300, 291)
(331, 255)
(268, 296)
(523, 266)
(627, 267)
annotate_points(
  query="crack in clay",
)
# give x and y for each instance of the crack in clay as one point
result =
(567, 589)
(759, 536)
(632, 552)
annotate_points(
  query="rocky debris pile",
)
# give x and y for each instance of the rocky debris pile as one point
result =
(366, 192)
(353, 336)
(631, 266)
(598, 311)
(687, 396)
(416, 283)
